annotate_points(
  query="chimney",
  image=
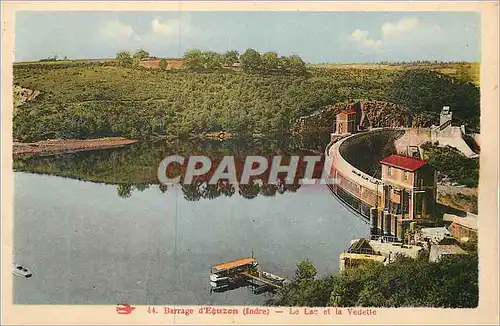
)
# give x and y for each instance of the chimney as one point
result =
(445, 115)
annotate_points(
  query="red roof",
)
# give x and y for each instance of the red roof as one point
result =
(403, 162)
(236, 263)
(349, 111)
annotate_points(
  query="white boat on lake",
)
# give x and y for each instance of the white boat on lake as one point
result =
(21, 271)
(218, 278)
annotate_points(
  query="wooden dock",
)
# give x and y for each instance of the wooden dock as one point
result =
(234, 274)
(261, 279)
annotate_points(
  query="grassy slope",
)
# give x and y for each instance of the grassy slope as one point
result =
(470, 70)
(453, 69)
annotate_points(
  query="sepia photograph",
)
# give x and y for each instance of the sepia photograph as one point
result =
(231, 163)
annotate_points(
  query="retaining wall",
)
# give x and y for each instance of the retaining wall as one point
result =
(354, 186)
(451, 136)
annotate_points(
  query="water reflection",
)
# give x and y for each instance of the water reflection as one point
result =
(134, 168)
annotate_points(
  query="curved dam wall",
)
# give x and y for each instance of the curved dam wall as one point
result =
(364, 151)
(353, 163)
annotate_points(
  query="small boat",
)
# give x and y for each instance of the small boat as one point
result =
(272, 277)
(21, 271)
(218, 278)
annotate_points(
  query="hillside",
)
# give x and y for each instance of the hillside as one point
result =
(466, 71)
(99, 99)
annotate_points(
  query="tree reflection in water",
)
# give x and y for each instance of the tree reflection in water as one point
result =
(135, 167)
(124, 190)
(249, 191)
(192, 192)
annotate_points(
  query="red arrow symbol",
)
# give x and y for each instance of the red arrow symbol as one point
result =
(124, 309)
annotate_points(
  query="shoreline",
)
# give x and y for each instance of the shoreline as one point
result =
(59, 146)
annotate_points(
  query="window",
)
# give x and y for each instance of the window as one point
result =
(406, 175)
(390, 170)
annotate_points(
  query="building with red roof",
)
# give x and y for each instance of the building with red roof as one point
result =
(403, 162)
(409, 192)
(345, 121)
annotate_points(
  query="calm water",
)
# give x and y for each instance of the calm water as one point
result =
(96, 243)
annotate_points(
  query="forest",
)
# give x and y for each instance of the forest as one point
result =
(266, 96)
(452, 165)
(449, 283)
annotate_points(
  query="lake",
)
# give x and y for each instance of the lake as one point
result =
(96, 228)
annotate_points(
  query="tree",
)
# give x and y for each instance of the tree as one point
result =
(124, 59)
(230, 58)
(270, 61)
(449, 162)
(163, 64)
(140, 54)
(305, 271)
(305, 290)
(293, 64)
(136, 62)
(193, 59)
(212, 60)
(407, 282)
(251, 60)
(428, 91)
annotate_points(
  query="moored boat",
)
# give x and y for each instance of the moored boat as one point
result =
(240, 265)
(21, 271)
(216, 278)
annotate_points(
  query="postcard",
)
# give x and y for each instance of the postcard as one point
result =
(249, 162)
